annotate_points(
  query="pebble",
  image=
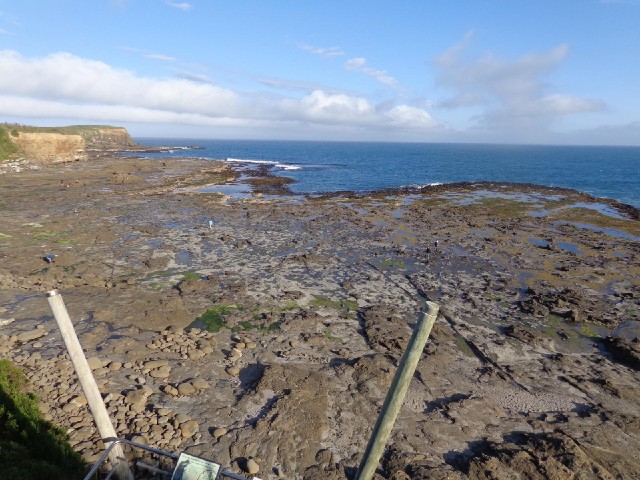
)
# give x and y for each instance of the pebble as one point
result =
(162, 372)
(94, 363)
(182, 418)
(200, 384)
(136, 396)
(219, 432)
(252, 467)
(115, 366)
(153, 364)
(171, 390)
(185, 389)
(189, 428)
(233, 371)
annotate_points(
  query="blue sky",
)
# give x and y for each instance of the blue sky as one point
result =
(505, 71)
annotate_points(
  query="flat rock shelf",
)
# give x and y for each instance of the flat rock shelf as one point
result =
(268, 337)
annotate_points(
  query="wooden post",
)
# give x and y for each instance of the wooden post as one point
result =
(88, 383)
(396, 393)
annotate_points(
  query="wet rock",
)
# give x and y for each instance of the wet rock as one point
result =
(528, 335)
(25, 337)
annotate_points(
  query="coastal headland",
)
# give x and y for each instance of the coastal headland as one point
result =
(262, 330)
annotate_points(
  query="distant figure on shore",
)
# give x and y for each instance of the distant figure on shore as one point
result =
(49, 258)
(210, 223)
(435, 245)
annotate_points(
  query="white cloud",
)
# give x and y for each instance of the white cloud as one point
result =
(68, 78)
(194, 77)
(411, 117)
(161, 57)
(508, 92)
(62, 85)
(359, 64)
(184, 6)
(355, 63)
(4, 32)
(329, 52)
(322, 106)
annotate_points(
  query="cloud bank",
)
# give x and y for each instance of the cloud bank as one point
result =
(508, 93)
(62, 85)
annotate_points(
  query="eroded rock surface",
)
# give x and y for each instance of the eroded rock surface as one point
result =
(268, 341)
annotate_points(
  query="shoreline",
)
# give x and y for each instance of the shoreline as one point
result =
(314, 301)
(289, 159)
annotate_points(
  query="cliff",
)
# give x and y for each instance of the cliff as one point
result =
(60, 144)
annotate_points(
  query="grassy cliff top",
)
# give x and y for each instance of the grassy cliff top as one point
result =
(69, 130)
(7, 147)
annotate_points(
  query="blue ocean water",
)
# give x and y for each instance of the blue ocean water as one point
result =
(601, 171)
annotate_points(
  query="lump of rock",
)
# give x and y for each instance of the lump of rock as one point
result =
(189, 428)
(219, 432)
(528, 335)
(384, 329)
(536, 456)
(185, 389)
(138, 396)
(25, 337)
(170, 390)
(94, 363)
(251, 466)
(625, 351)
(161, 372)
(154, 364)
(200, 384)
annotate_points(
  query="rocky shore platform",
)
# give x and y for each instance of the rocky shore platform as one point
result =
(267, 339)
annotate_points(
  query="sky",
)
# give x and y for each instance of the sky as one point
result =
(490, 71)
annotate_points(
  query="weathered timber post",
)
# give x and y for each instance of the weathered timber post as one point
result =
(88, 383)
(396, 393)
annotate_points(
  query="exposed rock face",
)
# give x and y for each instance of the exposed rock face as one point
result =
(50, 147)
(108, 138)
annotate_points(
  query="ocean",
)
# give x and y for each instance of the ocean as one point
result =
(318, 167)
